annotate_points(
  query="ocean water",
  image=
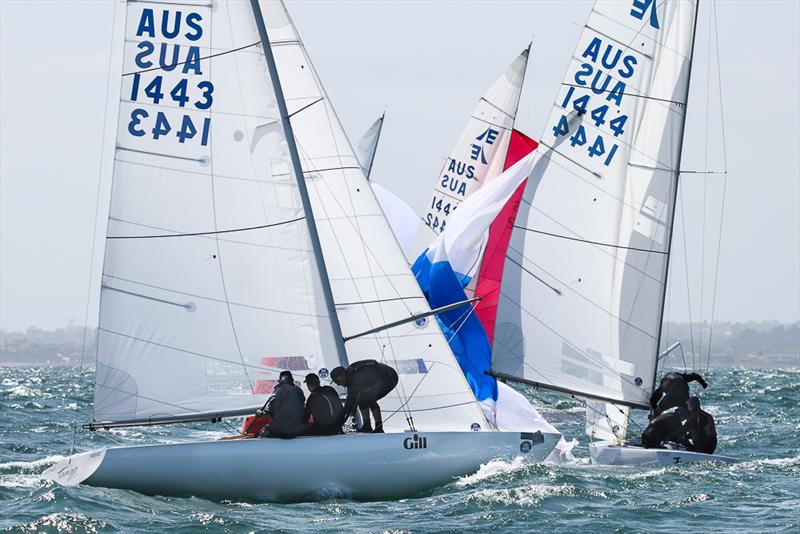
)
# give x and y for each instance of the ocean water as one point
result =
(757, 414)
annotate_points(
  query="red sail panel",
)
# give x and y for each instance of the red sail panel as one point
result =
(491, 273)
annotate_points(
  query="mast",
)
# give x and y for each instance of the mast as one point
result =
(675, 199)
(301, 184)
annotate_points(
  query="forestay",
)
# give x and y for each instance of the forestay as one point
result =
(209, 285)
(584, 279)
(370, 278)
(479, 154)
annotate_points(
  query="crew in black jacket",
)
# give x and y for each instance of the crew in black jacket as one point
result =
(367, 382)
(324, 410)
(673, 391)
(286, 409)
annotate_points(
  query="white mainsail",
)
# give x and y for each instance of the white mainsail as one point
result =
(208, 266)
(479, 154)
(211, 285)
(369, 275)
(583, 287)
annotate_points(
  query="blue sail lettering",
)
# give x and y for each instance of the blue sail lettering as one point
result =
(146, 48)
(616, 93)
(629, 62)
(580, 76)
(192, 61)
(606, 62)
(193, 20)
(147, 24)
(162, 61)
(593, 50)
(176, 25)
(596, 89)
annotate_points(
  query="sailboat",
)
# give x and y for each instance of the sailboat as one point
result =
(243, 240)
(583, 286)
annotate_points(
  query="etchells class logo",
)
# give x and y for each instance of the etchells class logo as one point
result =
(415, 442)
(640, 8)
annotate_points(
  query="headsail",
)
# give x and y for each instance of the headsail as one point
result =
(479, 154)
(582, 291)
(371, 280)
(210, 284)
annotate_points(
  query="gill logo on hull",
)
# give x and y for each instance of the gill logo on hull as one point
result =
(415, 442)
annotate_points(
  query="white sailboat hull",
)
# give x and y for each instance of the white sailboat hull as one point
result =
(357, 466)
(608, 453)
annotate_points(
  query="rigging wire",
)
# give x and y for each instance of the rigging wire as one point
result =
(688, 285)
(94, 224)
(724, 183)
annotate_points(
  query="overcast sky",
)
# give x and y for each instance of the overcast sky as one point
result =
(425, 63)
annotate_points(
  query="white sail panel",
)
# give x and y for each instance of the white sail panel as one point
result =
(371, 281)
(479, 154)
(368, 145)
(209, 285)
(585, 275)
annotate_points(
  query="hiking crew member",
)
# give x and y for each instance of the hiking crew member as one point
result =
(701, 432)
(286, 409)
(673, 391)
(324, 411)
(367, 382)
(665, 427)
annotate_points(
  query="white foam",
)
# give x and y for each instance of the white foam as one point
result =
(523, 495)
(490, 470)
(31, 466)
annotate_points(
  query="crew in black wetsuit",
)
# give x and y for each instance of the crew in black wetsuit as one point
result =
(673, 391)
(285, 408)
(324, 410)
(665, 427)
(701, 432)
(367, 382)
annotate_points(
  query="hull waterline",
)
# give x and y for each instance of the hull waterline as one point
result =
(358, 466)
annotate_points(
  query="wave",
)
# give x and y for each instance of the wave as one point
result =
(16, 467)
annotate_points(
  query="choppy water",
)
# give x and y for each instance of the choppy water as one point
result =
(757, 416)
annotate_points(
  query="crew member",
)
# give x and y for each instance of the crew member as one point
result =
(666, 427)
(673, 391)
(285, 407)
(367, 382)
(701, 432)
(324, 412)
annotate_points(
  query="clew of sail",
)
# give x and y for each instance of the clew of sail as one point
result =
(370, 278)
(584, 280)
(479, 154)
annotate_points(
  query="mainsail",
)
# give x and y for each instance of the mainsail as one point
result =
(582, 292)
(479, 154)
(212, 282)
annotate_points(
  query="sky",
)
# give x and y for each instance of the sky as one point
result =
(425, 63)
